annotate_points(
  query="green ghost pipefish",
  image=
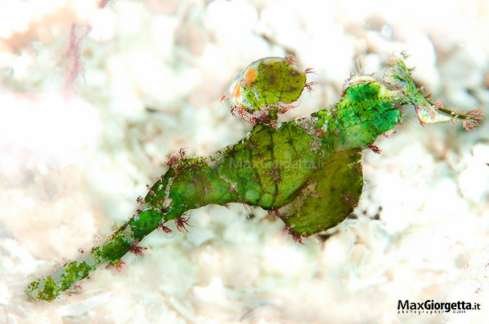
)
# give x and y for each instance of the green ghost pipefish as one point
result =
(307, 171)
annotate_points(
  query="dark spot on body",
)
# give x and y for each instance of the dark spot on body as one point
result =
(293, 72)
(291, 89)
(272, 79)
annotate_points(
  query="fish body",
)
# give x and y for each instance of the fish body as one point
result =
(307, 171)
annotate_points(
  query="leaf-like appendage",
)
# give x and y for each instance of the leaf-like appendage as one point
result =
(331, 194)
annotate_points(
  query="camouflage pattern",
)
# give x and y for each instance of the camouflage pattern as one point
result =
(308, 171)
(267, 85)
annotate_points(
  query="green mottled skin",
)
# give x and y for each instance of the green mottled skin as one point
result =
(307, 171)
(270, 167)
(267, 84)
(276, 83)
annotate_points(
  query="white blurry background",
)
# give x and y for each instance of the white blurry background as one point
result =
(87, 122)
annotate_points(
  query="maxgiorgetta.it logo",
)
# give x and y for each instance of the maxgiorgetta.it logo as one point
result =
(432, 307)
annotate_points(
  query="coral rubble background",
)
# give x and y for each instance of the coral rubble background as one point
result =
(93, 101)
